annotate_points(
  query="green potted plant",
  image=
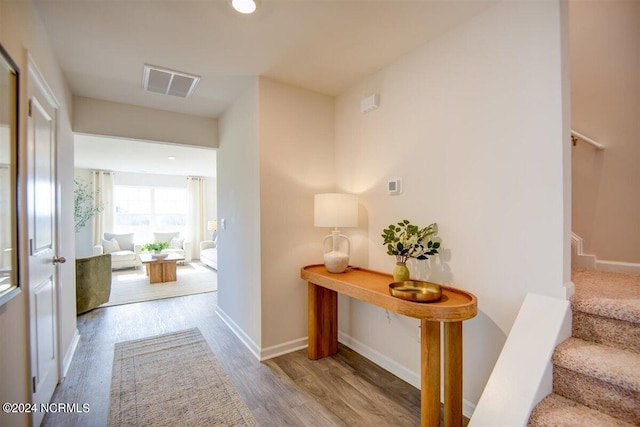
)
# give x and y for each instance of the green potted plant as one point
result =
(155, 247)
(405, 240)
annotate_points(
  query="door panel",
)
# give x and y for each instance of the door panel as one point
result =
(43, 178)
(41, 209)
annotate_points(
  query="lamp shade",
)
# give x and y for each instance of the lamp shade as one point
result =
(212, 225)
(335, 210)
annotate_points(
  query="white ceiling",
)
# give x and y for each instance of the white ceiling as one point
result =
(126, 155)
(322, 45)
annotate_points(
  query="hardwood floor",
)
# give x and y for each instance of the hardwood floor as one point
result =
(291, 390)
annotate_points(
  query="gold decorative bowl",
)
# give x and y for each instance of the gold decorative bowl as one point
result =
(416, 291)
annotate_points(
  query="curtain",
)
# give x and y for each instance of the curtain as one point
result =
(195, 213)
(102, 185)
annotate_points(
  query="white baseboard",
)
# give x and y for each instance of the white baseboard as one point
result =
(620, 267)
(71, 351)
(266, 353)
(402, 372)
(580, 259)
(237, 330)
(284, 348)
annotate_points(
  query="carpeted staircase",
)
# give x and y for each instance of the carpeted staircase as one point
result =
(596, 372)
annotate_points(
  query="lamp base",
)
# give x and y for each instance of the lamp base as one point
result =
(336, 262)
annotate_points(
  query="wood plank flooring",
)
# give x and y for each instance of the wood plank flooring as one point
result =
(290, 390)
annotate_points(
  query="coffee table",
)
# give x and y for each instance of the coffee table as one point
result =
(161, 270)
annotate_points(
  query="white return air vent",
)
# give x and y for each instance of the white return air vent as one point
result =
(168, 82)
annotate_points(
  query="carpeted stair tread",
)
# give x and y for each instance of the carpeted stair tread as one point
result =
(558, 411)
(607, 294)
(606, 331)
(612, 365)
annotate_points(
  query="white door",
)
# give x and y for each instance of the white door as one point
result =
(41, 208)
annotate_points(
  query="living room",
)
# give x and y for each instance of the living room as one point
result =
(146, 197)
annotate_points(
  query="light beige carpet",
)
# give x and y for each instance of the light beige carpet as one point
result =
(129, 286)
(173, 380)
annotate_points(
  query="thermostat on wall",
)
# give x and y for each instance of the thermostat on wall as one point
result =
(394, 186)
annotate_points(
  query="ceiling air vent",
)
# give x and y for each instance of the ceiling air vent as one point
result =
(168, 82)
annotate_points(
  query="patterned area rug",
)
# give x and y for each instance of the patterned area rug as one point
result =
(129, 286)
(173, 380)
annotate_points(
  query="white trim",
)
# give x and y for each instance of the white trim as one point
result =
(569, 289)
(39, 79)
(71, 351)
(620, 267)
(580, 259)
(405, 374)
(237, 330)
(587, 140)
(522, 376)
(284, 348)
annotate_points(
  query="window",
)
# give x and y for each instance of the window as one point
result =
(144, 210)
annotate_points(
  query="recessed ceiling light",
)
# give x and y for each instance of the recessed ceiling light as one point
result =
(171, 158)
(245, 6)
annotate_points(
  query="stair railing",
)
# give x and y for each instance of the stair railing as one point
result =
(576, 136)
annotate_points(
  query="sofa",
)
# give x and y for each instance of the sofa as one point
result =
(124, 253)
(209, 253)
(177, 245)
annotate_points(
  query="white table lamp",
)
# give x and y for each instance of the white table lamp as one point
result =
(213, 227)
(336, 210)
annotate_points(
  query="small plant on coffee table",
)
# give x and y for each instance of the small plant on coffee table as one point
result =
(155, 247)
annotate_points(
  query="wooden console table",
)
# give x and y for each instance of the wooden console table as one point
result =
(373, 287)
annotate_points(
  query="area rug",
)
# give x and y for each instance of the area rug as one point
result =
(173, 380)
(129, 286)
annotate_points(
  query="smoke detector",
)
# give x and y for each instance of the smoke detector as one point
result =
(168, 82)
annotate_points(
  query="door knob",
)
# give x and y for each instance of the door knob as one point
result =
(59, 260)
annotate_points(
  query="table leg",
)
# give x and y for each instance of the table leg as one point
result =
(430, 374)
(453, 374)
(169, 272)
(323, 322)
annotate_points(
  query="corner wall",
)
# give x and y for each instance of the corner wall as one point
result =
(238, 166)
(296, 162)
(473, 124)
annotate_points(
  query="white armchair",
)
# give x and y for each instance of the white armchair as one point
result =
(124, 253)
(209, 253)
(177, 245)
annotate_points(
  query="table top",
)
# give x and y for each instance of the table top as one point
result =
(147, 258)
(373, 287)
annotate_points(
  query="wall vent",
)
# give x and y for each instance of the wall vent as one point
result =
(168, 82)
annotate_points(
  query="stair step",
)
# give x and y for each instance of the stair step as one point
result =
(607, 294)
(601, 377)
(607, 331)
(558, 411)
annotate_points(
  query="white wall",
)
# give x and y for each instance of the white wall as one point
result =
(21, 31)
(473, 124)
(238, 166)
(296, 161)
(99, 117)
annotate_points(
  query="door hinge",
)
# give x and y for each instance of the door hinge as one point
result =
(30, 108)
(33, 382)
